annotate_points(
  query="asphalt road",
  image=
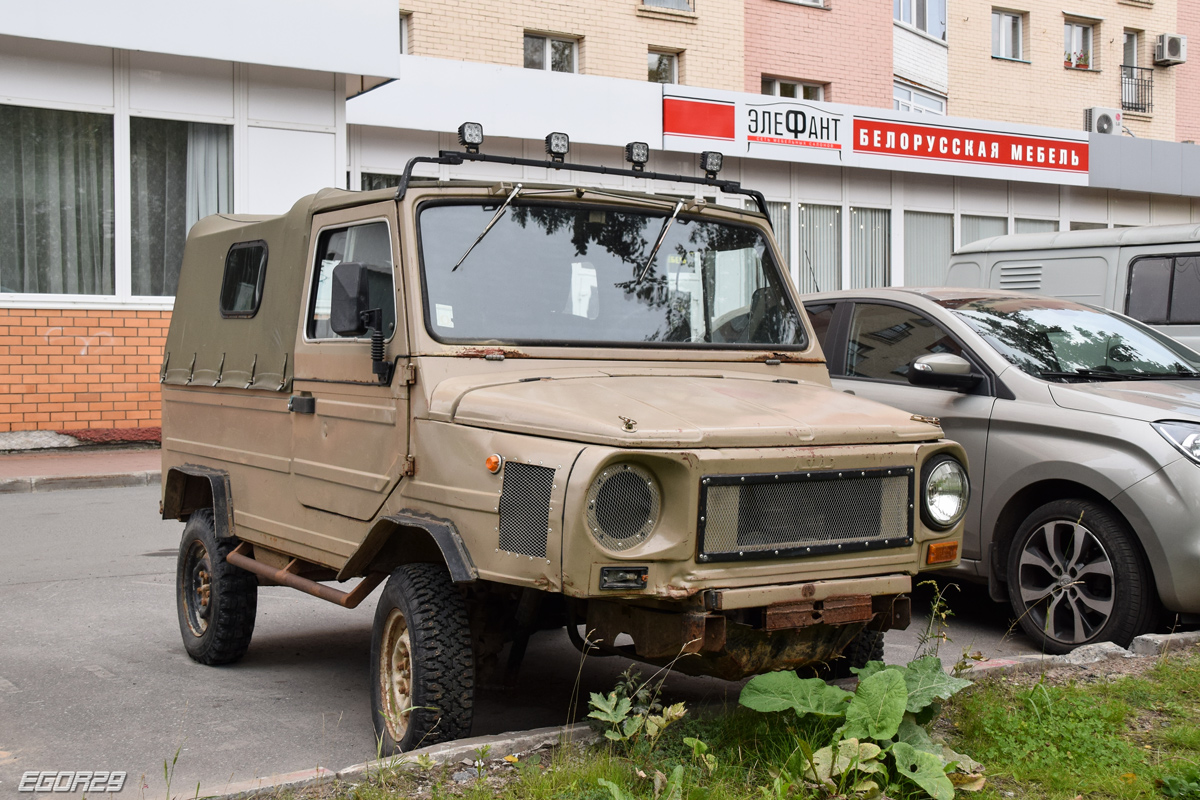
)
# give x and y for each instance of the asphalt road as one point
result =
(93, 675)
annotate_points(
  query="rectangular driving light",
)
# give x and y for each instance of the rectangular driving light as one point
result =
(623, 577)
(711, 162)
(557, 145)
(470, 136)
(637, 154)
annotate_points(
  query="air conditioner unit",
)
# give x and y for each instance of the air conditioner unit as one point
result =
(1170, 48)
(1102, 120)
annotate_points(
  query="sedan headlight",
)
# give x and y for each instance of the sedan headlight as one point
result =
(1184, 435)
(622, 506)
(945, 491)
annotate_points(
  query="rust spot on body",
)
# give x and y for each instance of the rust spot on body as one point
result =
(484, 352)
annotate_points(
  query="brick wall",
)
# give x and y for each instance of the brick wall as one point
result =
(71, 369)
(1043, 92)
(847, 46)
(1187, 76)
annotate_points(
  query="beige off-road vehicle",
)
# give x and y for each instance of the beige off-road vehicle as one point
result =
(530, 406)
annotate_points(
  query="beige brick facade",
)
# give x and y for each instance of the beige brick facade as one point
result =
(845, 45)
(1041, 90)
(614, 36)
(1187, 76)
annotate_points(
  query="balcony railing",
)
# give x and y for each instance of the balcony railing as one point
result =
(1137, 89)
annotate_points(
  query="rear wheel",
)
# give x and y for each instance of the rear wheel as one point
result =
(866, 646)
(422, 667)
(1076, 576)
(215, 600)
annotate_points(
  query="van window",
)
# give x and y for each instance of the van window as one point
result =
(1164, 290)
(368, 244)
(242, 284)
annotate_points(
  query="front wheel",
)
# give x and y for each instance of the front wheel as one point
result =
(422, 667)
(1076, 576)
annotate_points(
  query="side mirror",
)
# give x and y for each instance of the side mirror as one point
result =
(349, 299)
(943, 370)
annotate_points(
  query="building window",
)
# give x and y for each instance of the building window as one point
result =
(662, 67)
(678, 5)
(179, 173)
(1007, 37)
(1137, 83)
(548, 52)
(928, 16)
(1035, 225)
(1077, 46)
(870, 247)
(56, 189)
(928, 245)
(972, 229)
(405, 19)
(910, 98)
(794, 89)
(820, 262)
(369, 181)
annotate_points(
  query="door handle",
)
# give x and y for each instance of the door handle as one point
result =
(300, 404)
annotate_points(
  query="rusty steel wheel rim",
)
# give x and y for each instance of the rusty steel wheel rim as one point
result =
(197, 588)
(395, 674)
(1067, 580)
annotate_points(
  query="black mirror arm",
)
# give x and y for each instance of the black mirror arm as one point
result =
(380, 366)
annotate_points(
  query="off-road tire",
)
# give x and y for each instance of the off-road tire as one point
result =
(1128, 595)
(217, 631)
(866, 646)
(440, 674)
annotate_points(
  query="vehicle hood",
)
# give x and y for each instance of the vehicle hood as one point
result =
(679, 409)
(1143, 400)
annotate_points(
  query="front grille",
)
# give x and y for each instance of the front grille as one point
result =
(525, 509)
(805, 513)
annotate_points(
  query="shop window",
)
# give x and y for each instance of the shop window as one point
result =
(1088, 226)
(928, 244)
(794, 89)
(910, 98)
(1008, 35)
(378, 180)
(820, 257)
(972, 229)
(56, 188)
(1164, 290)
(1035, 225)
(870, 247)
(551, 53)
(781, 225)
(662, 67)
(368, 244)
(242, 284)
(1077, 46)
(927, 16)
(180, 172)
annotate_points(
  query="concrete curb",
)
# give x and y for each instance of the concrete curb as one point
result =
(502, 744)
(1150, 644)
(51, 483)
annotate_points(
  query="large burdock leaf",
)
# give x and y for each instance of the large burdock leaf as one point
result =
(877, 707)
(871, 667)
(923, 769)
(777, 691)
(927, 681)
(913, 734)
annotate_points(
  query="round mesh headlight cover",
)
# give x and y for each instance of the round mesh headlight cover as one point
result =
(622, 506)
(945, 491)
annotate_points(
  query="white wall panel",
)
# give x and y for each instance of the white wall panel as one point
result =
(388, 150)
(870, 186)
(52, 72)
(189, 86)
(1035, 200)
(920, 59)
(1081, 204)
(1128, 208)
(818, 183)
(1165, 210)
(286, 95)
(770, 177)
(286, 165)
(929, 192)
(977, 196)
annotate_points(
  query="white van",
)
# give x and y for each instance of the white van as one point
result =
(1150, 273)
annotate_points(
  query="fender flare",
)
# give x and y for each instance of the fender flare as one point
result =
(194, 486)
(443, 533)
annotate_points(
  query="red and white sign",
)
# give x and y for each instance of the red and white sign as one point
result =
(970, 146)
(699, 119)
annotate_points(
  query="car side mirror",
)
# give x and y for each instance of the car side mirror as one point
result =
(349, 300)
(943, 370)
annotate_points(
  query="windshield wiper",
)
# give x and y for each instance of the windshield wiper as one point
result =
(1106, 375)
(491, 223)
(662, 234)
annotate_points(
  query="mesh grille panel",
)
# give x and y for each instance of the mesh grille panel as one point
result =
(805, 513)
(525, 509)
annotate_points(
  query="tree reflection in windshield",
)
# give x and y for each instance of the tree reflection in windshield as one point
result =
(1061, 340)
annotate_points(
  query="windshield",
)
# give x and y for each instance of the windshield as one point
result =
(1060, 340)
(552, 273)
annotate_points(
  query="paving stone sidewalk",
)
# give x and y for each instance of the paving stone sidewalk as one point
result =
(79, 468)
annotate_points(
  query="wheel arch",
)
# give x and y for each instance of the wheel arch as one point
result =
(192, 487)
(412, 537)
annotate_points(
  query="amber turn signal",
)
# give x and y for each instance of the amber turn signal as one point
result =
(493, 463)
(941, 552)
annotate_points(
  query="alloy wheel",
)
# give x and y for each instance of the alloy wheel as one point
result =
(1067, 581)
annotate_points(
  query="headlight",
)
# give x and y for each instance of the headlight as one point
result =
(944, 492)
(1184, 435)
(622, 506)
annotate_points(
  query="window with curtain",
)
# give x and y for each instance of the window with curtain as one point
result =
(870, 247)
(820, 257)
(972, 229)
(1035, 225)
(179, 173)
(56, 201)
(378, 180)
(928, 243)
(781, 224)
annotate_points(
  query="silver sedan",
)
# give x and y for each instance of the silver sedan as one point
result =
(1082, 429)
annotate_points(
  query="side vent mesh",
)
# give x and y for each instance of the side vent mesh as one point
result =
(525, 509)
